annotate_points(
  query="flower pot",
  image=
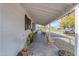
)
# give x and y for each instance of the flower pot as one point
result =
(24, 53)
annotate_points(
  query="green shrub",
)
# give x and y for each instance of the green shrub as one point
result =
(28, 41)
(32, 37)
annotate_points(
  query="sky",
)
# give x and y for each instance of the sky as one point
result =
(55, 24)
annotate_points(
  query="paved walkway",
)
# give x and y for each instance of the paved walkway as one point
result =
(41, 48)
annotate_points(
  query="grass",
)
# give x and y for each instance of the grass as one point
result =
(57, 30)
(52, 30)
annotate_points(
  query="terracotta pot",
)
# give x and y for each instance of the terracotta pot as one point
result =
(24, 53)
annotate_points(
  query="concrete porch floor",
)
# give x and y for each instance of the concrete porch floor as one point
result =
(41, 48)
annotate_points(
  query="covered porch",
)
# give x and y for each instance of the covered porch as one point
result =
(18, 18)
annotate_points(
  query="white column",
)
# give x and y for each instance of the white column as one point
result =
(77, 30)
(49, 31)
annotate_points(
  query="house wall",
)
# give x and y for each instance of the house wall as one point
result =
(33, 26)
(0, 29)
(12, 22)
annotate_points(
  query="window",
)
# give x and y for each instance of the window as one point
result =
(27, 23)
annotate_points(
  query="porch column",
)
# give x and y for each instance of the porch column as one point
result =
(77, 30)
(49, 32)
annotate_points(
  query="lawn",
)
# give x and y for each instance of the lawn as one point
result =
(52, 30)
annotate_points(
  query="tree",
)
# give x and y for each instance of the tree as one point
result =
(68, 21)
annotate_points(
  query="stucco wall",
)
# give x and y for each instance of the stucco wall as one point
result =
(11, 28)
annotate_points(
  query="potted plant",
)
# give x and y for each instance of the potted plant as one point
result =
(24, 51)
(28, 41)
(32, 37)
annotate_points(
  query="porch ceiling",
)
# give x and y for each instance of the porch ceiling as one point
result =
(44, 13)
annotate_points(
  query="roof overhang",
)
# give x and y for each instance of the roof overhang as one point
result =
(44, 13)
